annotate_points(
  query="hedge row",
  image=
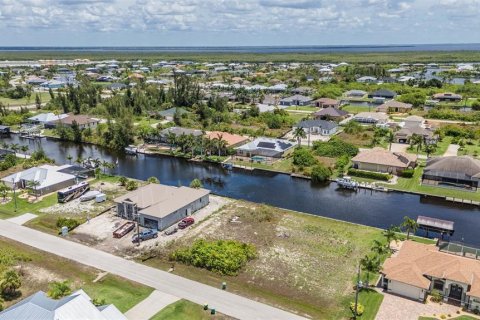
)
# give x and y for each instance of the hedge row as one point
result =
(369, 174)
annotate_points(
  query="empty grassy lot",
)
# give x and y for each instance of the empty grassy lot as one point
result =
(183, 309)
(39, 269)
(44, 97)
(306, 264)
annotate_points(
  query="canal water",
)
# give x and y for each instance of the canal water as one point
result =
(378, 209)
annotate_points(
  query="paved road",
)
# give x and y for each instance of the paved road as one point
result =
(225, 302)
(149, 307)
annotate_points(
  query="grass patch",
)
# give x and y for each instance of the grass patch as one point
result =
(302, 108)
(357, 109)
(44, 96)
(184, 309)
(43, 268)
(23, 206)
(371, 300)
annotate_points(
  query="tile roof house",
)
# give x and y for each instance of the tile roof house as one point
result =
(405, 134)
(417, 269)
(265, 147)
(232, 140)
(326, 103)
(330, 114)
(394, 106)
(457, 171)
(81, 120)
(447, 97)
(382, 160)
(76, 306)
(322, 127)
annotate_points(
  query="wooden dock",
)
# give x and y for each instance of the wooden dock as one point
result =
(458, 200)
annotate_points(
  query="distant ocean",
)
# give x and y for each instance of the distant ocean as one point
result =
(262, 49)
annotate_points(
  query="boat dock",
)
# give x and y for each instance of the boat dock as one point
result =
(458, 200)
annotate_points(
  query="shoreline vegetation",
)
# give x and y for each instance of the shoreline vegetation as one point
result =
(352, 57)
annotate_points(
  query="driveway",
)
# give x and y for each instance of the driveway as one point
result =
(398, 308)
(149, 307)
(452, 150)
(399, 147)
(224, 301)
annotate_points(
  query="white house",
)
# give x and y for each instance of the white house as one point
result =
(321, 127)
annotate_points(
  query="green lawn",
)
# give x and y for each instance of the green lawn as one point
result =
(456, 318)
(413, 185)
(442, 146)
(40, 268)
(371, 300)
(23, 206)
(186, 310)
(44, 96)
(357, 109)
(284, 165)
(302, 108)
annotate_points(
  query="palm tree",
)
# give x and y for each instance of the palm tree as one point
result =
(410, 225)
(171, 139)
(69, 158)
(5, 145)
(10, 282)
(79, 160)
(416, 140)
(4, 190)
(14, 147)
(299, 134)
(371, 264)
(24, 149)
(390, 139)
(379, 247)
(390, 234)
(429, 149)
(106, 165)
(33, 185)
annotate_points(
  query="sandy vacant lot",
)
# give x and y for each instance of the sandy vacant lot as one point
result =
(98, 232)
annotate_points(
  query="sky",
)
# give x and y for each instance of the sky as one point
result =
(237, 22)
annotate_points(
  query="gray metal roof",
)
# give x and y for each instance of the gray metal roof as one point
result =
(327, 125)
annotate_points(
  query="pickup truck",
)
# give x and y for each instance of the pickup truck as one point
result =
(186, 222)
(145, 235)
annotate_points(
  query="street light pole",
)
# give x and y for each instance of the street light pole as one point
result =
(357, 290)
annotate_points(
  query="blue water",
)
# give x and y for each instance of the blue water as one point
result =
(264, 49)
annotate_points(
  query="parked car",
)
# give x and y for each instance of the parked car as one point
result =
(145, 235)
(186, 222)
(171, 231)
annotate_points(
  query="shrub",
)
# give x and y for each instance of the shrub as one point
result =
(320, 173)
(436, 296)
(226, 257)
(303, 157)
(196, 184)
(369, 174)
(67, 222)
(153, 180)
(123, 181)
(408, 173)
(334, 148)
(131, 185)
(360, 308)
(10, 283)
(59, 289)
(342, 162)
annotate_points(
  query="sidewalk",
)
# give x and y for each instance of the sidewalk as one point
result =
(149, 307)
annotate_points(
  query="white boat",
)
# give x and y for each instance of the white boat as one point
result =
(347, 183)
(131, 150)
(90, 195)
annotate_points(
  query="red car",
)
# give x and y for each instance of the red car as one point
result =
(186, 222)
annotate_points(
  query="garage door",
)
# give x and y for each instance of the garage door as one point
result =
(406, 290)
(150, 223)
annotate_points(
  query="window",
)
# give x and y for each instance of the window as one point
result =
(438, 285)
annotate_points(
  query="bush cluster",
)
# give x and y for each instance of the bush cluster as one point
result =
(303, 157)
(369, 174)
(320, 173)
(334, 148)
(67, 222)
(408, 173)
(226, 257)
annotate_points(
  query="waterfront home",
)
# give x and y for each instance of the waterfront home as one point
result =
(44, 118)
(405, 134)
(82, 121)
(265, 147)
(48, 178)
(296, 100)
(371, 118)
(232, 140)
(385, 161)
(453, 171)
(394, 106)
(169, 114)
(159, 206)
(177, 132)
(78, 305)
(382, 93)
(330, 113)
(417, 269)
(317, 126)
(326, 103)
(355, 94)
(447, 97)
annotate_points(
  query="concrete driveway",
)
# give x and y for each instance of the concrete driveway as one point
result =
(398, 308)
(452, 150)
(399, 147)
(224, 301)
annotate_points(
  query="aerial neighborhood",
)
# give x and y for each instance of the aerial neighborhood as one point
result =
(210, 187)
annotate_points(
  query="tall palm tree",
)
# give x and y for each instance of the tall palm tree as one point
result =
(371, 264)
(4, 190)
(14, 147)
(390, 235)
(79, 160)
(24, 149)
(379, 247)
(299, 134)
(390, 139)
(416, 140)
(409, 225)
(69, 158)
(34, 185)
(171, 139)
